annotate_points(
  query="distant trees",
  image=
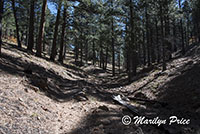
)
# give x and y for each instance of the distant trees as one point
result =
(108, 33)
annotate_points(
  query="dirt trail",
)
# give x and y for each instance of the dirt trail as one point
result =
(64, 99)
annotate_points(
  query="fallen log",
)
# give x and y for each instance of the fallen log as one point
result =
(124, 103)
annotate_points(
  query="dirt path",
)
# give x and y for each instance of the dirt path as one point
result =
(64, 99)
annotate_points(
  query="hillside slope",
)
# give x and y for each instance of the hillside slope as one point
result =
(38, 96)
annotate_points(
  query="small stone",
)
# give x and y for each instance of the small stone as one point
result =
(26, 90)
(44, 108)
(20, 99)
(105, 122)
(38, 118)
(140, 95)
(81, 98)
(105, 108)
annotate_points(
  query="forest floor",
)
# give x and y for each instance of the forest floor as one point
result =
(41, 97)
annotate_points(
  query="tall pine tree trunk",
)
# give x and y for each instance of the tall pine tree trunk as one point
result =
(81, 47)
(16, 23)
(133, 55)
(175, 36)
(162, 38)
(144, 48)
(113, 50)
(1, 15)
(76, 50)
(31, 26)
(112, 42)
(100, 54)
(157, 43)
(53, 50)
(86, 52)
(41, 30)
(65, 51)
(63, 35)
(106, 58)
(181, 30)
(119, 61)
(147, 34)
(93, 51)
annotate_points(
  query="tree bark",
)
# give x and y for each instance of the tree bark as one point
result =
(63, 35)
(119, 61)
(175, 36)
(153, 59)
(157, 43)
(162, 38)
(54, 49)
(94, 55)
(81, 53)
(1, 15)
(106, 58)
(76, 50)
(86, 52)
(100, 54)
(133, 54)
(65, 51)
(147, 34)
(113, 50)
(41, 30)
(31, 26)
(181, 30)
(112, 43)
(16, 24)
(144, 48)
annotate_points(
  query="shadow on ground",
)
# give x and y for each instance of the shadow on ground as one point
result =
(182, 95)
(47, 80)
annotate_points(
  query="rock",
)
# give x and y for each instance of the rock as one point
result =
(20, 99)
(26, 90)
(81, 93)
(140, 95)
(38, 118)
(105, 121)
(104, 108)
(44, 108)
(80, 98)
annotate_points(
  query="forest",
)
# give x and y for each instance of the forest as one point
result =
(82, 66)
